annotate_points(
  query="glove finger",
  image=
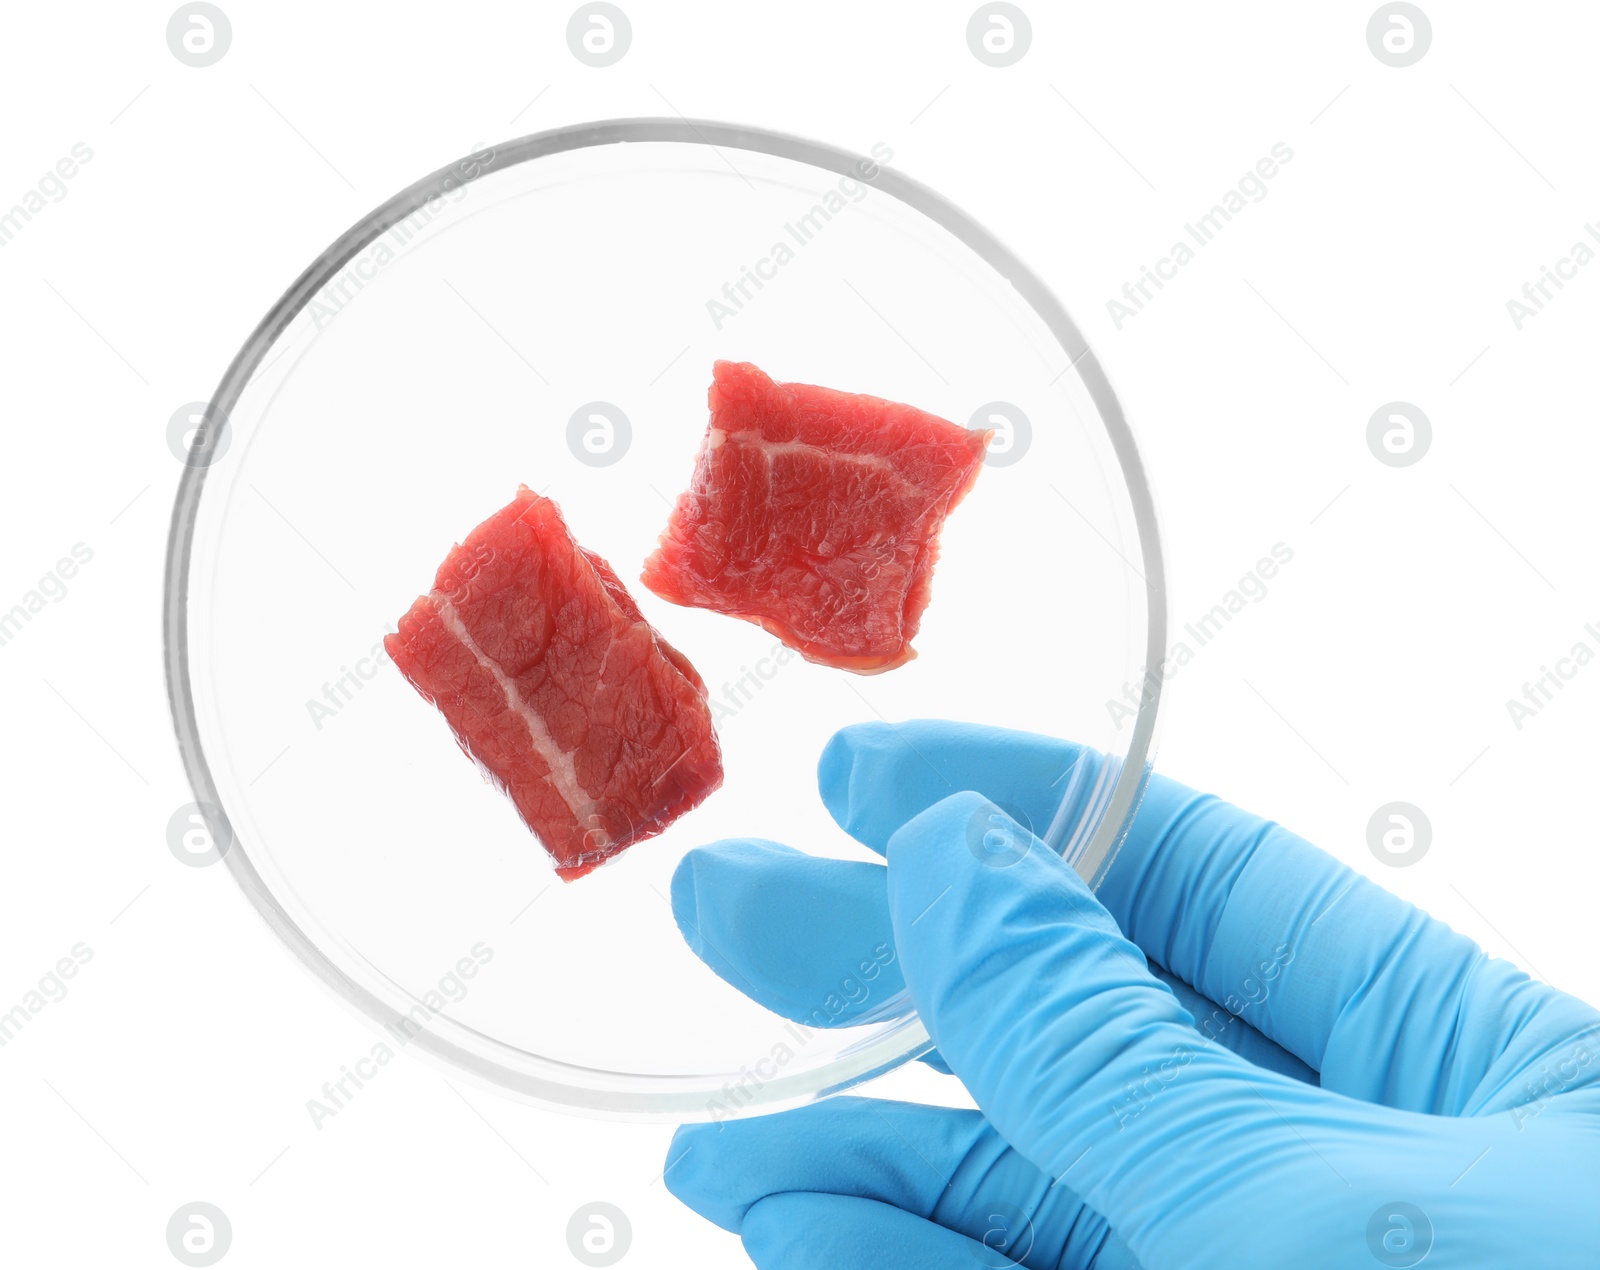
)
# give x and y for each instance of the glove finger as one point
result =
(945, 1165)
(1326, 964)
(1050, 1018)
(1222, 1026)
(800, 1231)
(811, 940)
(1079, 1060)
(873, 777)
(806, 937)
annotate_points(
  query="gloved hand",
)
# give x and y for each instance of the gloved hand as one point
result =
(1238, 1053)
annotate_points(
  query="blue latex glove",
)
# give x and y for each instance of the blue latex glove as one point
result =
(1239, 1053)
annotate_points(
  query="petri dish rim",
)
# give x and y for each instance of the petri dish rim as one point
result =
(565, 1086)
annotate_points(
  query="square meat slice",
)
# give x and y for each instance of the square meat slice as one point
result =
(816, 514)
(554, 684)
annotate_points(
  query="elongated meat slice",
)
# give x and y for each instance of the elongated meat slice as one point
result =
(816, 514)
(554, 684)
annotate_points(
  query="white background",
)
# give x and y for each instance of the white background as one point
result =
(1377, 268)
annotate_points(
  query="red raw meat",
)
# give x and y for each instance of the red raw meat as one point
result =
(815, 514)
(566, 698)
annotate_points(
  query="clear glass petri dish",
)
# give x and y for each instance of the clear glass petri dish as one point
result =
(546, 311)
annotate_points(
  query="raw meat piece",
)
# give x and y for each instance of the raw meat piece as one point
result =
(815, 514)
(565, 697)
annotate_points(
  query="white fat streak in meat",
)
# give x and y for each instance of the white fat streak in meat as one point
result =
(773, 448)
(563, 773)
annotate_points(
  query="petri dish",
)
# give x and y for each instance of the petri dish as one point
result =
(546, 311)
